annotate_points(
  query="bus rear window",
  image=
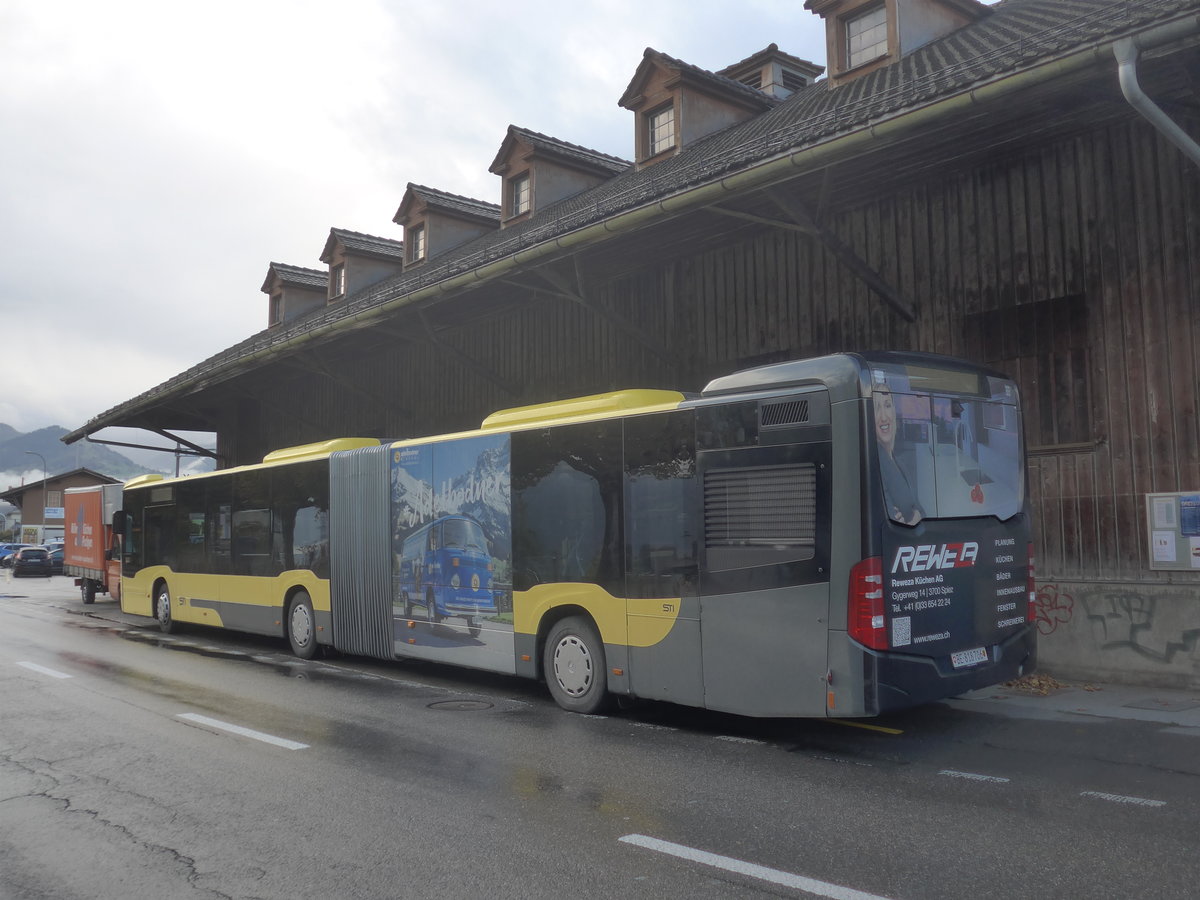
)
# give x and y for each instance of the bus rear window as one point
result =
(945, 455)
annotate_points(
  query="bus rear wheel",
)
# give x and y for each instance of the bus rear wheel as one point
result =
(302, 626)
(88, 589)
(573, 661)
(162, 609)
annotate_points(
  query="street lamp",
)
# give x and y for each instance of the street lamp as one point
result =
(45, 495)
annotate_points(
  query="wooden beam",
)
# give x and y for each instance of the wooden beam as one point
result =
(560, 286)
(797, 212)
(799, 219)
(475, 366)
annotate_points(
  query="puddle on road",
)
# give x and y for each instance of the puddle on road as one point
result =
(282, 663)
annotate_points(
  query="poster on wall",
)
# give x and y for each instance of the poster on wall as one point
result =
(1173, 531)
(452, 551)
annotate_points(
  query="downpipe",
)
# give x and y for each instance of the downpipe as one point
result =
(1127, 50)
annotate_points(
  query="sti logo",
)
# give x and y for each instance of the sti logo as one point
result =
(931, 556)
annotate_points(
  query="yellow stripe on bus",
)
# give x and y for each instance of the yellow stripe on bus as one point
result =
(632, 623)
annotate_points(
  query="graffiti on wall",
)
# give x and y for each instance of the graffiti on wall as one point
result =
(1053, 607)
(1125, 619)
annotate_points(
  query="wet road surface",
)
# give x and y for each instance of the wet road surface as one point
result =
(209, 764)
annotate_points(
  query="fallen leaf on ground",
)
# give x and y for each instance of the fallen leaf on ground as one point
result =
(1037, 684)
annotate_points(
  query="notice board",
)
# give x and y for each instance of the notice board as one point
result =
(1173, 528)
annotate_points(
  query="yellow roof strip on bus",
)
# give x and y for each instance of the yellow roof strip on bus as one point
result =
(595, 406)
(318, 450)
(140, 480)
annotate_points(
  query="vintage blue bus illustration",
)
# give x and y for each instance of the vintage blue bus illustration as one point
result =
(445, 567)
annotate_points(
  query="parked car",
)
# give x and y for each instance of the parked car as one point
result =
(31, 561)
(7, 551)
(56, 559)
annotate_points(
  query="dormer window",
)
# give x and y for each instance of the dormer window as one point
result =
(676, 104)
(862, 36)
(560, 170)
(866, 37)
(275, 312)
(435, 221)
(415, 238)
(337, 281)
(660, 130)
(520, 195)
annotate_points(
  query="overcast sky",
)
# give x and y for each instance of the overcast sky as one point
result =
(156, 156)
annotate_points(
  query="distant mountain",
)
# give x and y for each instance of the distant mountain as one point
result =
(15, 454)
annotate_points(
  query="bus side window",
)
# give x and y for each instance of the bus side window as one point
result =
(567, 506)
(662, 506)
(252, 524)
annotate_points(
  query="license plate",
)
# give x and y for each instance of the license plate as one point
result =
(964, 658)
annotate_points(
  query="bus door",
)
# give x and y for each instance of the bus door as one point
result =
(764, 578)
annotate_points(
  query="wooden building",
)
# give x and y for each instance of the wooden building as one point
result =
(979, 184)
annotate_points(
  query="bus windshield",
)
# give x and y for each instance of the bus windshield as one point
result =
(948, 446)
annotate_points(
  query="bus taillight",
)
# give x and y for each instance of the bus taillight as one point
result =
(866, 622)
(1031, 614)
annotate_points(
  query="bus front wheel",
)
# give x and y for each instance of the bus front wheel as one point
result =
(162, 609)
(573, 662)
(302, 626)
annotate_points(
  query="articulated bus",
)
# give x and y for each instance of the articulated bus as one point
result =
(840, 536)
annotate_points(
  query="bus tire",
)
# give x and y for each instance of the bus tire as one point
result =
(473, 627)
(88, 589)
(162, 609)
(431, 613)
(302, 626)
(573, 662)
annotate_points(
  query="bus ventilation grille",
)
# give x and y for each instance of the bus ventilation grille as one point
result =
(792, 412)
(763, 506)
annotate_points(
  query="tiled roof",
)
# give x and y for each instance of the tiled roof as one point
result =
(454, 203)
(718, 83)
(297, 275)
(364, 245)
(554, 147)
(772, 51)
(1019, 35)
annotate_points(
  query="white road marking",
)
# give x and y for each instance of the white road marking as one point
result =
(1117, 798)
(244, 732)
(51, 672)
(738, 740)
(993, 779)
(762, 873)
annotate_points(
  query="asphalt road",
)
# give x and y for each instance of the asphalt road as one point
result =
(205, 764)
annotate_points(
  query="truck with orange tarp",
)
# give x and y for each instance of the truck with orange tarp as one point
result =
(91, 551)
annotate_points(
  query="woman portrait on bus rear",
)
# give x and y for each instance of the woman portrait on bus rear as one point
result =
(899, 486)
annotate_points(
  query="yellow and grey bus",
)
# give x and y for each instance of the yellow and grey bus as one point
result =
(844, 536)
